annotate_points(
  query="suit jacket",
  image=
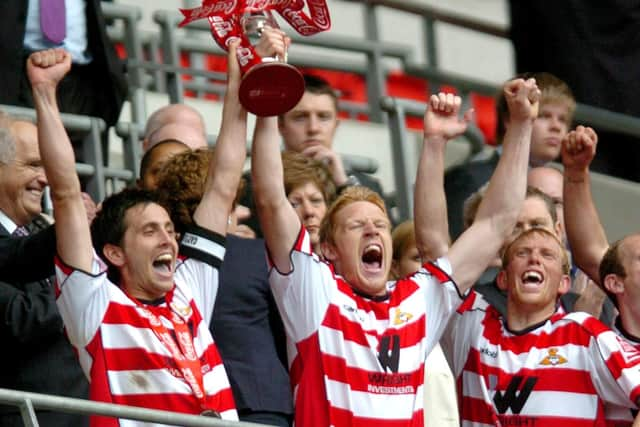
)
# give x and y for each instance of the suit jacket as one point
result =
(107, 68)
(248, 330)
(37, 357)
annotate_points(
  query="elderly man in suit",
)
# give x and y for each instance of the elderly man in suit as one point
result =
(37, 357)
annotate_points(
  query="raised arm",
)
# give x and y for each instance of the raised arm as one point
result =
(225, 168)
(498, 212)
(45, 70)
(586, 235)
(441, 123)
(279, 222)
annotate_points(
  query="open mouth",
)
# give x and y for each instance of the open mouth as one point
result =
(532, 279)
(372, 257)
(163, 263)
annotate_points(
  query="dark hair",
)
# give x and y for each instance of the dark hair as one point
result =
(109, 225)
(319, 86)
(146, 157)
(553, 90)
(611, 263)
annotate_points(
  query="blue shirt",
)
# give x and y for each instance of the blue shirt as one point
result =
(76, 40)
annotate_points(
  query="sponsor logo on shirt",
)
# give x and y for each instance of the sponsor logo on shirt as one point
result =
(381, 383)
(401, 317)
(359, 316)
(553, 358)
(489, 352)
(628, 351)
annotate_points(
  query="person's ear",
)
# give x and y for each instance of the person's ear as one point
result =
(501, 280)
(114, 254)
(565, 284)
(328, 251)
(613, 283)
(394, 273)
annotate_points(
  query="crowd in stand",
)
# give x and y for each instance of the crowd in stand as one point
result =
(165, 296)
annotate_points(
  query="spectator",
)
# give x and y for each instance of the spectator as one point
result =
(439, 389)
(613, 266)
(310, 190)
(357, 343)
(41, 359)
(602, 75)
(590, 297)
(175, 121)
(121, 332)
(556, 113)
(95, 86)
(154, 159)
(524, 368)
(245, 316)
(173, 138)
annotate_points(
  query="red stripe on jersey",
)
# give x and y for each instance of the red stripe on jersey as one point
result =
(299, 245)
(184, 403)
(437, 272)
(345, 418)
(476, 410)
(410, 334)
(359, 379)
(562, 334)
(551, 379)
(468, 302)
(312, 406)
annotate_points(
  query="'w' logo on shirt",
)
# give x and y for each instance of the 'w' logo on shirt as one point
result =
(389, 354)
(514, 397)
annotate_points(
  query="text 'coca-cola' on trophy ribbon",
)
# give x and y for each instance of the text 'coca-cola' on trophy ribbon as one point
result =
(224, 18)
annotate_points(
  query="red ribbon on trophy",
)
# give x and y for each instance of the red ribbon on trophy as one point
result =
(269, 86)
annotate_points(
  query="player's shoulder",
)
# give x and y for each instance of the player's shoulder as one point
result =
(476, 304)
(585, 322)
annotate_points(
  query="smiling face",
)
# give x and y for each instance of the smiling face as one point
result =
(361, 246)
(147, 255)
(549, 128)
(312, 122)
(310, 206)
(22, 182)
(535, 274)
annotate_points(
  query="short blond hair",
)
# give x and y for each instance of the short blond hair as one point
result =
(348, 196)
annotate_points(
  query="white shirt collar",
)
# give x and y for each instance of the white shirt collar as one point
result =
(7, 223)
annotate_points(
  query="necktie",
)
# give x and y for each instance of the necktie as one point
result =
(20, 231)
(53, 20)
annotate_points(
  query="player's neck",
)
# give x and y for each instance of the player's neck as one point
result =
(520, 319)
(630, 320)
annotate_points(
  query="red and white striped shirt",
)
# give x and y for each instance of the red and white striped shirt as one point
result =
(563, 371)
(118, 349)
(621, 416)
(358, 361)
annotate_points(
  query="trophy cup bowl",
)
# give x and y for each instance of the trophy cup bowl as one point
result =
(272, 87)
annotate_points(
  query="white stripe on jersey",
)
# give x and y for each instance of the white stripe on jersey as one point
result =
(373, 405)
(150, 381)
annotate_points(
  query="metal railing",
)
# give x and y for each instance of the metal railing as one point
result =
(28, 402)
